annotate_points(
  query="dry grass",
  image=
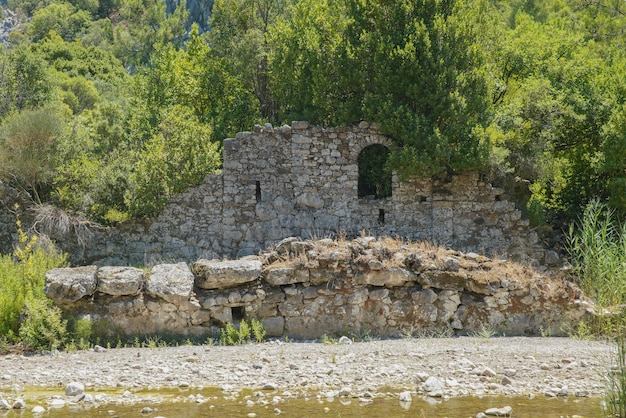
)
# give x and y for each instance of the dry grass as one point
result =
(51, 220)
(393, 252)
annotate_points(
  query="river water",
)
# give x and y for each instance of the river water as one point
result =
(242, 405)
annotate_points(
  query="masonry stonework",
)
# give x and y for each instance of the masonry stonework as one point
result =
(302, 180)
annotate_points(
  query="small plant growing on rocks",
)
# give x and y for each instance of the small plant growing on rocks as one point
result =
(258, 330)
(229, 335)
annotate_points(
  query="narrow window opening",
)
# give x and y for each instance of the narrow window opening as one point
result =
(258, 191)
(498, 198)
(374, 174)
(423, 199)
(237, 313)
(381, 216)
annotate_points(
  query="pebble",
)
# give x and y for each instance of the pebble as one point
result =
(146, 410)
(4, 404)
(38, 409)
(270, 386)
(345, 340)
(19, 404)
(405, 397)
(74, 389)
(499, 412)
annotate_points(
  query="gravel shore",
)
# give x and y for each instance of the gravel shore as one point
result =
(436, 367)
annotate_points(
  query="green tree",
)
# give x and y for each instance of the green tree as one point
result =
(25, 81)
(28, 143)
(419, 69)
(63, 18)
(179, 155)
(196, 79)
(239, 36)
(144, 27)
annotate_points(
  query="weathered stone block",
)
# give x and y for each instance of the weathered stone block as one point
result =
(274, 326)
(120, 281)
(225, 274)
(447, 280)
(389, 278)
(171, 282)
(66, 285)
(286, 275)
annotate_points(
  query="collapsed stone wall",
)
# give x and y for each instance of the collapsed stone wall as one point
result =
(305, 289)
(302, 180)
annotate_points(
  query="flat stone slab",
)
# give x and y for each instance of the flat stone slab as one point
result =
(225, 274)
(170, 282)
(120, 281)
(66, 285)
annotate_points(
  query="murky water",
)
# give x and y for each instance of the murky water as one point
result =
(213, 403)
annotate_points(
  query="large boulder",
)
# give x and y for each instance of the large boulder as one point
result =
(120, 281)
(66, 285)
(171, 282)
(225, 274)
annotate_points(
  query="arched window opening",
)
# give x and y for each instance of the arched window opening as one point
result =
(374, 175)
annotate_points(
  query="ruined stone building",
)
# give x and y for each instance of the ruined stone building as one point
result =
(304, 181)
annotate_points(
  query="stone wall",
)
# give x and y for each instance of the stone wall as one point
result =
(301, 180)
(305, 289)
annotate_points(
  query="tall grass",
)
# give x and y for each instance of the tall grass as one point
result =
(615, 397)
(597, 247)
(598, 251)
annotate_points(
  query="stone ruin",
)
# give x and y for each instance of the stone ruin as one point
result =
(303, 181)
(307, 289)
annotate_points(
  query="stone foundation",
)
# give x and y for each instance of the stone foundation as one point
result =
(307, 289)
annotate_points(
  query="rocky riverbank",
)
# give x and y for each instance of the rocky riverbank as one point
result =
(416, 367)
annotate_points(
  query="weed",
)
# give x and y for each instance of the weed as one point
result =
(583, 331)
(328, 340)
(485, 332)
(407, 333)
(258, 330)
(545, 332)
(229, 335)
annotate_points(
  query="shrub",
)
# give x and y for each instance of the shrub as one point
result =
(43, 328)
(22, 278)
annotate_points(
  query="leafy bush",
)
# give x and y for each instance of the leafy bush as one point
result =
(22, 278)
(180, 155)
(43, 328)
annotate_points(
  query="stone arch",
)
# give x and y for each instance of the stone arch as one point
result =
(356, 148)
(375, 178)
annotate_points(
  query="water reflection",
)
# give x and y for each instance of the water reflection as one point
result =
(242, 406)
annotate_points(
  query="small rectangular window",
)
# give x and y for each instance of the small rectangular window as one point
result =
(381, 216)
(237, 313)
(258, 191)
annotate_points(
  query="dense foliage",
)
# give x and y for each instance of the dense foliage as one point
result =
(108, 107)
